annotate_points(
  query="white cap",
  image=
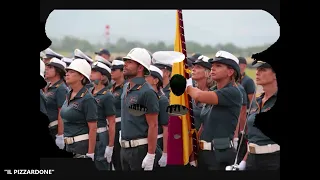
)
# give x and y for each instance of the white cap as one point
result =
(42, 68)
(78, 54)
(101, 65)
(49, 52)
(155, 69)
(141, 56)
(102, 59)
(203, 58)
(57, 63)
(117, 63)
(42, 55)
(227, 55)
(67, 60)
(167, 57)
(81, 66)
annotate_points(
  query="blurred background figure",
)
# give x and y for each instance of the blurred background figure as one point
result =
(105, 54)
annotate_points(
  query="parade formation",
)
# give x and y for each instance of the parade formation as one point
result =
(88, 103)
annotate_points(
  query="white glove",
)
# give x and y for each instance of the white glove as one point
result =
(189, 82)
(235, 143)
(147, 163)
(241, 166)
(108, 153)
(120, 137)
(193, 163)
(60, 141)
(163, 160)
(91, 156)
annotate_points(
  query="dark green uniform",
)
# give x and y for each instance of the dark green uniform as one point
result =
(248, 85)
(167, 90)
(117, 91)
(197, 107)
(105, 102)
(136, 127)
(56, 95)
(270, 161)
(219, 124)
(163, 116)
(43, 103)
(76, 114)
(89, 85)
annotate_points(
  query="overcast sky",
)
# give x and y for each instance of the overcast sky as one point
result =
(241, 27)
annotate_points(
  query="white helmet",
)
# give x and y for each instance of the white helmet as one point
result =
(102, 60)
(81, 66)
(141, 56)
(42, 68)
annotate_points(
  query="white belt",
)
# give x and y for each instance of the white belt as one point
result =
(135, 143)
(53, 123)
(256, 149)
(207, 146)
(118, 119)
(102, 129)
(71, 140)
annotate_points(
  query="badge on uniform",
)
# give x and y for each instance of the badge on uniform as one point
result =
(137, 110)
(50, 94)
(177, 110)
(116, 94)
(75, 105)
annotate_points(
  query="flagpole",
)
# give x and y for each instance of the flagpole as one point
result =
(184, 51)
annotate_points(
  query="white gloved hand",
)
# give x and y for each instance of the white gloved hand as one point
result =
(189, 82)
(235, 143)
(91, 156)
(108, 153)
(242, 165)
(193, 163)
(120, 137)
(163, 160)
(148, 161)
(60, 141)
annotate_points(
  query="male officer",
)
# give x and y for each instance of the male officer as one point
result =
(138, 133)
(104, 53)
(49, 53)
(246, 81)
(117, 89)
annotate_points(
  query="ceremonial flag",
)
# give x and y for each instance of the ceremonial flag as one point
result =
(179, 139)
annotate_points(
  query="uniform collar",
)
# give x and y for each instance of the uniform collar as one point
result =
(101, 92)
(55, 85)
(138, 80)
(262, 95)
(83, 91)
(167, 87)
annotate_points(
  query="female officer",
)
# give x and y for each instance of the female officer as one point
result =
(100, 75)
(79, 111)
(263, 153)
(220, 113)
(203, 81)
(155, 80)
(116, 89)
(56, 95)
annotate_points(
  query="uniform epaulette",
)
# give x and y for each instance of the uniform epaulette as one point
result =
(104, 92)
(258, 95)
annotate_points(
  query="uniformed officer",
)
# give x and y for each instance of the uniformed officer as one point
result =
(56, 95)
(117, 89)
(249, 87)
(263, 153)
(102, 60)
(163, 61)
(192, 59)
(155, 80)
(105, 54)
(220, 113)
(79, 111)
(203, 81)
(43, 83)
(100, 76)
(67, 60)
(138, 133)
(50, 54)
(246, 81)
